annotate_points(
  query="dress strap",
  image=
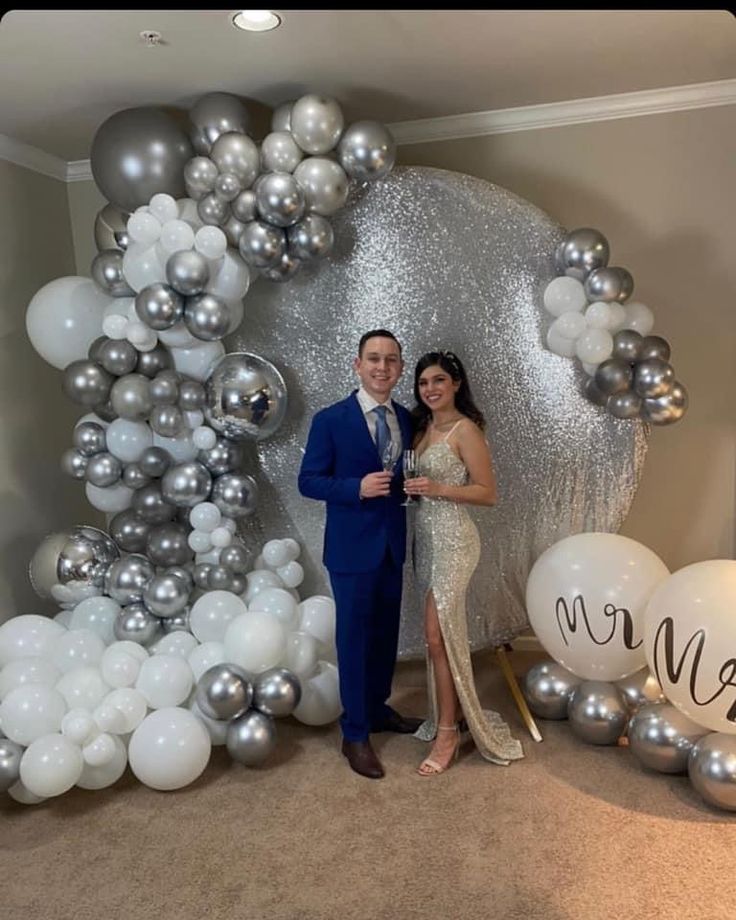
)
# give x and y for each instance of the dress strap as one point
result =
(452, 429)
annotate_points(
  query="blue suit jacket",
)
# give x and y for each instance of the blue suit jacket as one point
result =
(340, 452)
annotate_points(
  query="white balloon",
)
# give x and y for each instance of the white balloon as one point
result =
(199, 541)
(164, 207)
(131, 704)
(212, 613)
(193, 419)
(142, 266)
(169, 749)
(188, 211)
(115, 326)
(127, 440)
(599, 315)
(638, 317)
(216, 729)
(77, 648)
(320, 702)
(121, 663)
(569, 325)
(175, 236)
(78, 726)
(205, 516)
(231, 278)
(302, 652)
(109, 719)
(31, 711)
(83, 688)
(594, 346)
(258, 580)
(140, 335)
(64, 317)
(164, 680)
(275, 553)
(23, 671)
(51, 765)
(181, 448)
(317, 617)
(204, 437)
(97, 614)
(100, 777)
(211, 242)
(100, 750)
(110, 499)
(278, 603)
(197, 361)
(256, 641)
(28, 636)
(586, 597)
(63, 617)
(143, 228)
(204, 656)
(558, 344)
(178, 336)
(563, 294)
(179, 643)
(19, 793)
(292, 574)
(221, 537)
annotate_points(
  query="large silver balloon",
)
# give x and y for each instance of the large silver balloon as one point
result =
(246, 397)
(661, 737)
(667, 409)
(225, 457)
(582, 251)
(107, 272)
(135, 623)
(129, 531)
(237, 154)
(10, 757)
(166, 595)
(207, 317)
(138, 153)
(89, 438)
(367, 151)
(311, 238)
(186, 484)
(216, 114)
(167, 544)
(159, 305)
(75, 559)
(224, 691)
(279, 198)
(613, 376)
(111, 228)
(597, 712)
(103, 470)
(712, 769)
(200, 175)
(127, 578)
(150, 505)
(653, 378)
(131, 397)
(235, 495)
(640, 688)
(547, 688)
(316, 123)
(251, 738)
(261, 245)
(276, 692)
(117, 356)
(325, 184)
(609, 284)
(86, 383)
(280, 152)
(627, 345)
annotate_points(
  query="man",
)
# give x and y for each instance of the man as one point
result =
(365, 539)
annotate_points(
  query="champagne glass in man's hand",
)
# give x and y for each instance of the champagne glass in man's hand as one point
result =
(411, 471)
(389, 456)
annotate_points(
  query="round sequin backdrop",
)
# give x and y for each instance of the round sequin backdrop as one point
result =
(445, 261)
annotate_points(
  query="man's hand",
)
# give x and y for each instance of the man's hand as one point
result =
(376, 485)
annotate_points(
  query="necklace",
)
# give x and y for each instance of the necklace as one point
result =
(443, 425)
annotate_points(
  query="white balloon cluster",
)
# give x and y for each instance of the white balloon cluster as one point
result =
(595, 322)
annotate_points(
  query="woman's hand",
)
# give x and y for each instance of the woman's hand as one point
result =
(422, 485)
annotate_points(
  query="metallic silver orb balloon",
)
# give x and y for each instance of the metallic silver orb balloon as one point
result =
(154, 461)
(191, 395)
(712, 769)
(86, 383)
(583, 251)
(667, 409)
(131, 397)
(137, 153)
(135, 623)
(207, 317)
(261, 245)
(219, 578)
(661, 737)
(625, 405)
(653, 377)
(200, 175)
(236, 153)
(227, 187)
(244, 206)
(224, 692)
(325, 184)
(236, 558)
(167, 421)
(235, 495)
(225, 457)
(117, 356)
(159, 305)
(367, 151)
(89, 438)
(134, 477)
(311, 238)
(212, 210)
(93, 352)
(103, 470)
(654, 346)
(167, 544)
(640, 688)
(251, 738)
(150, 505)
(79, 557)
(280, 152)
(609, 284)
(281, 118)
(10, 757)
(129, 531)
(107, 273)
(111, 228)
(316, 123)
(216, 114)
(591, 391)
(154, 361)
(74, 463)
(164, 388)
(276, 692)
(186, 484)
(627, 345)
(127, 578)
(613, 376)
(233, 229)
(597, 712)
(179, 622)
(285, 269)
(279, 198)
(166, 595)
(547, 688)
(184, 572)
(246, 397)
(201, 574)
(188, 272)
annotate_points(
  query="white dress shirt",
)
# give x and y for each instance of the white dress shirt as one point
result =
(368, 404)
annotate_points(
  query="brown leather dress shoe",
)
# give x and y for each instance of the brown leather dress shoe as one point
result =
(404, 725)
(362, 758)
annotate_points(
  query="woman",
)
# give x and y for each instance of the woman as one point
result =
(455, 470)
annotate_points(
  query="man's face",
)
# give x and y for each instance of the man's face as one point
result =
(379, 367)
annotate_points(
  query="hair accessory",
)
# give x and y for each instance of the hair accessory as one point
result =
(452, 358)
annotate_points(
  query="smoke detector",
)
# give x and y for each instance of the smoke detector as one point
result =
(150, 37)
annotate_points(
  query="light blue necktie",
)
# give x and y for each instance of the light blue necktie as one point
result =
(383, 432)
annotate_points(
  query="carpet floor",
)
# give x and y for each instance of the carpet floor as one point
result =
(573, 832)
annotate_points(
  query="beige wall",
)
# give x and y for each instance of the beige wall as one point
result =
(36, 418)
(85, 200)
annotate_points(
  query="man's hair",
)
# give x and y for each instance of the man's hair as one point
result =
(376, 333)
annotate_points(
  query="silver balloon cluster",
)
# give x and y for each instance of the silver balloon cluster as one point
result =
(628, 368)
(245, 706)
(273, 201)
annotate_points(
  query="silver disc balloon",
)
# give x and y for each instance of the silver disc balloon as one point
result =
(445, 261)
(78, 558)
(246, 397)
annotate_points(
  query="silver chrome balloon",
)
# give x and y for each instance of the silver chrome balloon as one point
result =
(129, 531)
(167, 544)
(597, 712)
(237, 154)
(261, 245)
(582, 251)
(107, 273)
(609, 284)
(216, 114)
(712, 769)
(166, 595)
(225, 457)
(367, 151)
(219, 578)
(316, 123)
(227, 187)
(159, 305)
(281, 118)
(103, 470)
(131, 397)
(77, 558)
(287, 266)
(135, 623)
(251, 738)
(280, 152)
(279, 199)
(117, 356)
(233, 229)
(186, 484)
(179, 622)
(201, 574)
(10, 757)
(661, 737)
(154, 361)
(164, 388)
(640, 688)
(86, 383)
(191, 395)
(624, 405)
(212, 210)
(127, 578)
(166, 420)
(150, 505)
(238, 583)
(246, 397)
(224, 691)
(613, 376)
(207, 317)
(236, 558)
(654, 346)
(188, 272)
(276, 692)
(311, 238)
(244, 206)
(200, 175)
(154, 461)
(667, 409)
(547, 688)
(235, 495)
(89, 438)
(325, 184)
(111, 228)
(627, 345)
(74, 463)
(134, 477)
(653, 378)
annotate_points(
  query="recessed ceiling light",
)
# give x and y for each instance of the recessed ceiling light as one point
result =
(256, 20)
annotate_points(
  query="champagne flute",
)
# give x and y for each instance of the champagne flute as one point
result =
(389, 456)
(411, 471)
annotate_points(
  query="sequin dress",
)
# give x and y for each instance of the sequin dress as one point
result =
(446, 553)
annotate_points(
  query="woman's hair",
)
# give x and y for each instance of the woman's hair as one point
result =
(464, 402)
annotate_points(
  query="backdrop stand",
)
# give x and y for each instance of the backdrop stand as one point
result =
(516, 691)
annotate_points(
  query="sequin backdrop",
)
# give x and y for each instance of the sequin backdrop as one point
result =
(446, 261)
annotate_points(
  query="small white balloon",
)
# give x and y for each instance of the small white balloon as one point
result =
(302, 652)
(204, 437)
(140, 335)
(292, 574)
(144, 228)
(197, 361)
(127, 440)
(105, 775)
(256, 641)
(97, 614)
(163, 207)
(109, 499)
(317, 617)
(115, 326)
(569, 325)
(212, 613)
(230, 524)
(78, 726)
(275, 553)
(109, 718)
(258, 580)
(176, 235)
(594, 346)
(121, 663)
(204, 656)
(293, 547)
(99, 751)
(194, 419)
(221, 537)
(564, 294)
(560, 345)
(164, 680)
(179, 643)
(278, 603)
(83, 688)
(205, 516)
(77, 648)
(131, 704)
(320, 702)
(211, 242)
(638, 317)
(200, 541)
(599, 315)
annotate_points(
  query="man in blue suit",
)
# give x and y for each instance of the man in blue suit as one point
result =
(365, 539)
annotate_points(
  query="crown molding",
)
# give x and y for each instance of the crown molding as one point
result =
(454, 127)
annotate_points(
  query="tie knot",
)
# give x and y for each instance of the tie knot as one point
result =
(381, 412)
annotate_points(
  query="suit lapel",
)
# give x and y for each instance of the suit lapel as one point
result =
(359, 426)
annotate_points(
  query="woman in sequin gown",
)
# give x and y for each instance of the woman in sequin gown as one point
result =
(455, 470)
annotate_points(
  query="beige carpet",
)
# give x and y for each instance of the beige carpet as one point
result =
(573, 832)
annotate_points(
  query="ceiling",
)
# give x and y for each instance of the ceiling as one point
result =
(62, 73)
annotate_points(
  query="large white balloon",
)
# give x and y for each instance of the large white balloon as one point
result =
(98, 615)
(83, 688)
(51, 765)
(586, 597)
(317, 617)
(169, 749)
(164, 680)
(302, 652)
(64, 318)
(28, 636)
(258, 580)
(121, 663)
(179, 643)
(198, 360)
(31, 711)
(212, 613)
(77, 648)
(320, 702)
(278, 603)
(27, 671)
(204, 656)
(127, 440)
(690, 642)
(255, 641)
(109, 499)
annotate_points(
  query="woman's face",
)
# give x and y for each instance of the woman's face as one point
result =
(437, 388)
